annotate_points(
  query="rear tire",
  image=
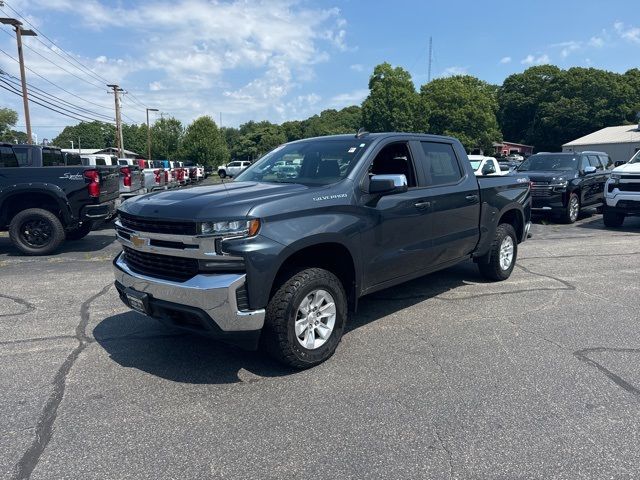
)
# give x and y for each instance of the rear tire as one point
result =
(80, 232)
(572, 210)
(612, 219)
(36, 231)
(502, 255)
(305, 318)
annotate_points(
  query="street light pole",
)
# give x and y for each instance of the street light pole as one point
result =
(17, 25)
(149, 133)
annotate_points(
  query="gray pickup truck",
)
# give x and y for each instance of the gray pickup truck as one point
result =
(280, 261)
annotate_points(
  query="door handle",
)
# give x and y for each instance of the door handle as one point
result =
(472, 198)
(422, 205)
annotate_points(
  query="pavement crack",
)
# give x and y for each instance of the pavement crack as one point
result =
(446, 449)
(36, 339)
(583, 356)
(27, 306)
(44, 427)
(567, 285)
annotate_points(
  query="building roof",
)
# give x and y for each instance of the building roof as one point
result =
(499, 144)
(620, 134)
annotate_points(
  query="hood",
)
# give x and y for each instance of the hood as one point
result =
(225, 201)
(550, 176)
(633, 168)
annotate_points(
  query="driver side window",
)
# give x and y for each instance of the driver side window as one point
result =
(395, 159)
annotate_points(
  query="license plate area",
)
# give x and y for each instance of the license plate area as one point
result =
(137, 301)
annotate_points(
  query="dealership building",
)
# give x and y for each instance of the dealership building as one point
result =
(621, 143)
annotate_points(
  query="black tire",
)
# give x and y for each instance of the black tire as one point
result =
(612, 219)
(222, 174)
(80, 231)
(279, 338)
(570, 215)
(491, 267)
(36, 231)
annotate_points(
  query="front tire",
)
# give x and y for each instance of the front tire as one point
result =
(222, 174)
(35, 231)
(612, 219)
(305, 318)
(502, 255)
(572, 210)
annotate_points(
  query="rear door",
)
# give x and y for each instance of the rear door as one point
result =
(596, 180)
(454, 201)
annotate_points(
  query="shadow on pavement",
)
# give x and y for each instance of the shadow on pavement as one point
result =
(90, 243)
(630, 225)
(136, 341)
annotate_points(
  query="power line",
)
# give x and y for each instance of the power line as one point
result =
(50, 104)
(50, 95)
(81, 65)
(38, 103)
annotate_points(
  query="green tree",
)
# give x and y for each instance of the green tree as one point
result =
(463, 107)
(256, 139)
(392, 104)
(134, 138)
(8, 119)
(166, 138)
(204, 143)
(293, 130)
(333, 122)
(87, 135)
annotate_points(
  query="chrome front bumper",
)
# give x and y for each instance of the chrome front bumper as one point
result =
(214, 295)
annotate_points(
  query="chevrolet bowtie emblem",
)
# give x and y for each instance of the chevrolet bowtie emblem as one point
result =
(139, 241)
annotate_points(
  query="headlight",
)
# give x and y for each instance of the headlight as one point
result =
(615, 178)
(240, 228)
(560, 185)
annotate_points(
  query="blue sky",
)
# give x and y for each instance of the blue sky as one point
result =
(287, 59)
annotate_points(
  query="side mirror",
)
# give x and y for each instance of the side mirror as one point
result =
(589, 169)
(387, 184)
(620, 162)
(488, 169)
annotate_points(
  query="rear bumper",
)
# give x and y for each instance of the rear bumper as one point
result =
(100, 211)
(205, 304)
(124, 194)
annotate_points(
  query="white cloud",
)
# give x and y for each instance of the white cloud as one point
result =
(597, 42)
(452, 71)
(185, 53)
(357, 67)
(533, 60)
(567, 48)
(347, 99)
(629, 33)
(505, 60)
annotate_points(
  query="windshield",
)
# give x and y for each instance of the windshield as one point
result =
(475, 164)
(549, 163)
(313, 162)
(635, 158)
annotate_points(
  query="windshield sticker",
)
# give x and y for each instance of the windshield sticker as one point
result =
(352, 149)
(329, 197)
(361, 145)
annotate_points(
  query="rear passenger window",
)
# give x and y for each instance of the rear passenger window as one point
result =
(100, 161)
(441, 165)
(594, 162)
(52, 158)
(7, 158)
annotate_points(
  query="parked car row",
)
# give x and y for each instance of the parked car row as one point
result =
(563, 184)
(47, 195)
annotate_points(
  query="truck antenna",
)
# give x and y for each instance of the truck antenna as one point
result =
(361, 132)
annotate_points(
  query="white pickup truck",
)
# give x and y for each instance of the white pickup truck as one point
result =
(622, 193)
(485, 165)
(232, 169)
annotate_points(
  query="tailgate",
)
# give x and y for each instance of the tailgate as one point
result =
(109, 183)
(137, 178)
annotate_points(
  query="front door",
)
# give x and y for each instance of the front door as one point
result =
(397, 240)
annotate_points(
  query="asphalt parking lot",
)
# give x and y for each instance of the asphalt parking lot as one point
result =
(444, 377)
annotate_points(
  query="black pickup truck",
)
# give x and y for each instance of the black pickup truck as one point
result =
(280, 261)
(45, 198)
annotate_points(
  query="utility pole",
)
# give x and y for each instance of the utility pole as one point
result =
(430, 58)
(149, 133)
(220, 126)
(17, 25)
(119, 141)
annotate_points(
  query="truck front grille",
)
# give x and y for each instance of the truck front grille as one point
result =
(161, 266)
(540, 190)
(140, 224)
(629, 187)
